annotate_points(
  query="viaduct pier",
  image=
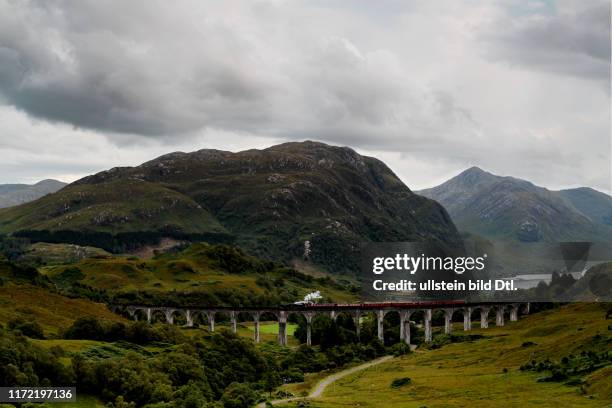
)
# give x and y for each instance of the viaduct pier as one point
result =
(355, 310)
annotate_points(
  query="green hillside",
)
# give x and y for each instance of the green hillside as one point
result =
(487, 372)
(116, 206)
(42, 253)
(199, 274)
(52, 311)
(48, 338)
(558, 357)
(26, 295)
(270, 202)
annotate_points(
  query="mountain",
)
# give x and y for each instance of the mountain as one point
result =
(15, 194)
(274, 202)
(512, 209)
(592, 203)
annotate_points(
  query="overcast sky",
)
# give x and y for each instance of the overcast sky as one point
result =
(430, 87)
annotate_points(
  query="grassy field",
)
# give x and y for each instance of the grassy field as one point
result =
(310, 380)
(45, 253)
(83, 401)
(69, 346)
(268, 331)
(478, 373)
(195, 269)
(52, 311)
(485, 372)
(272, 328)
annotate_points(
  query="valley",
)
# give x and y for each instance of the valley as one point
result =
(487, 372)
(305, 204)
(263, 228)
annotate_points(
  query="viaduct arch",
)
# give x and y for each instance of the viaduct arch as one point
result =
(355, 311)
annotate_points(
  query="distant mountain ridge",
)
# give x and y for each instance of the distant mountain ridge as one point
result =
(268, 201)
(16, 194)
(592, 203)
(499, 207)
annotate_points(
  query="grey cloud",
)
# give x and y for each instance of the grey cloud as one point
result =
(74, 62)
(574, 41)
(159, 70)
(397, 77)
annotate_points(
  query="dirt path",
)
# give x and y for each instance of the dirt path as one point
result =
(321, 385)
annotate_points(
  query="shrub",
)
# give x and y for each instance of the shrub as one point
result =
(239, 395)
(283, 394)
(400, 382)
(400, 349)
(23, 363)
(270, 381)
(293, 375)
(69, 276)
(130, 376)
(192, 395)
(85, 328)
(28, 328)
(305, 359)
(90, 328)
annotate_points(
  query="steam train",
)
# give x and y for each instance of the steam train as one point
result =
(374, 305)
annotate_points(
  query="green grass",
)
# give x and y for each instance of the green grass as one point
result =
(52, 311)
(45, 253)
(83, 401)
(268, 332)
(310, 381)
(272, 328)
(485, 373)
(105, 207)
(195, 269)
(69, 346)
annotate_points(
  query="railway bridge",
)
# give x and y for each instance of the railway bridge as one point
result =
(333, 310)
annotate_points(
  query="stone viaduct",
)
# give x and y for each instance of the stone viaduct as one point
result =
(355, 311)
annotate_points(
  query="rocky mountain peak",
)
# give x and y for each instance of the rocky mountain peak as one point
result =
(512, 208)
(268, 201)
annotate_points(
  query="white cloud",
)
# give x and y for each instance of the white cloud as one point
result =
(33, 150)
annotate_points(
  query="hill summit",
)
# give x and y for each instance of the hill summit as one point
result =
(15, 194)
(517, 210)
(270, 201)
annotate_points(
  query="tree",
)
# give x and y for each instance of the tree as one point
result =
(121, 403)
(271, 379)
(28, 328)
(239, 395)
(85, 328)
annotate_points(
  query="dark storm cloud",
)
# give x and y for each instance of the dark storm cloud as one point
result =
(158, 70)
(136, 71)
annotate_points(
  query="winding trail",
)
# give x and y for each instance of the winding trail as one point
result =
(321, 385)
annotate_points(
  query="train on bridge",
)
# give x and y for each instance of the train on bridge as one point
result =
(354, 310)
(373, 305)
